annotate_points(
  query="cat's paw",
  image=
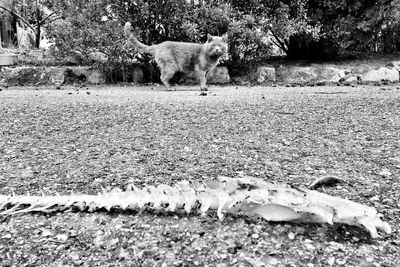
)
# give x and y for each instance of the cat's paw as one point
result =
(204, 89)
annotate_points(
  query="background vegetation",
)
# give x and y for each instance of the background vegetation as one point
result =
(302, 29)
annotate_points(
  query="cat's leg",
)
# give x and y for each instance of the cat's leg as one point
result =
(167, 67)
(166, 75)
(201, 74)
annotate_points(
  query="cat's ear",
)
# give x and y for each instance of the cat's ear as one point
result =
(209, 38)
(225, 37)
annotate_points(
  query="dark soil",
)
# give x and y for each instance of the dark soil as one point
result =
(74, 140)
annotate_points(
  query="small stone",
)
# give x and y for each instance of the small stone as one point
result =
(74, 256)
(7, 236)
(232, 250)
(388, 201)
(273, 262)
(141, 245)
(331, 261)
(308, 245)
(46, 233)
(255, 236)
(238, 244)
(385, 173)
(62, 237)
(291, 236)
(356, 239)
(73, 233)
(374, 198)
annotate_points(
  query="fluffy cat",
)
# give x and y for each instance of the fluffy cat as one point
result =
(172, 57)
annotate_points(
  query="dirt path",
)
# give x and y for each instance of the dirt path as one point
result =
(79, 140)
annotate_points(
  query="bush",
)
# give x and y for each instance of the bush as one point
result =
(247, 41)
(306, 29)
(98, 28)
(92, 33)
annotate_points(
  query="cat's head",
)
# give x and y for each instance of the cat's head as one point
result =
(216, 46)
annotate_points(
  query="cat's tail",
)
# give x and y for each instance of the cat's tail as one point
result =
(132, 38)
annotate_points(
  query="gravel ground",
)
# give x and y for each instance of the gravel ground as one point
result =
(79, 140)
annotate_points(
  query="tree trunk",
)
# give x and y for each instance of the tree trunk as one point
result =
(38, 30)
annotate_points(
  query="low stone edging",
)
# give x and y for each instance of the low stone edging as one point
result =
(288, 74)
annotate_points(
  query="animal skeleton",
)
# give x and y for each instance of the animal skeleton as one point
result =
(246, 195)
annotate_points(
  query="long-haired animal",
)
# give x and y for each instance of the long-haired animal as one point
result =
(172, 57)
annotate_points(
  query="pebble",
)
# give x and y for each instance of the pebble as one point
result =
(255, 236)
(46, 233)
(291, 236)
(232, 250)
(374, 198)
(309, 246)
(141, 245)
(385, 173)
(7, 236)
(331, 261)
(62, 237)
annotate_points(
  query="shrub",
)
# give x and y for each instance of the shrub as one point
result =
(247, 41)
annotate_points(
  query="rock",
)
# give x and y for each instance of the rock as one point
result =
(312, 74)
(263, 74)
(220, 75)
(25, 75)
(329, 74)
(73, 60)
(349, 78)
(382, 74)
(98, 56)
(88, 74)
(295, 74)
(137, 74)
(57, 76)
(34, 75)
(394, 64)
(291, 236)
(95, 77)
(385, 173)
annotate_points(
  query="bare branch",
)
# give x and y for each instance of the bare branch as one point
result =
(19, 17)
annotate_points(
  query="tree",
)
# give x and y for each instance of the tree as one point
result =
(33, 15)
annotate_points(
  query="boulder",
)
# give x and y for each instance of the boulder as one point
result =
(95, 77)
(56, 75)
(350, 78)
(394, 64)
(329, 74)
(220, 75)
(381, 74)
(88, 74)
(295, 74)
(33, 75)
(137, 74)
(309, 74)
(263, 75)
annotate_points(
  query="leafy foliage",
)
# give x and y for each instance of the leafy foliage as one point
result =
(247, 40)
(302, 28)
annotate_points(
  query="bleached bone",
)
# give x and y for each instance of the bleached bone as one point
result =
(227, 195)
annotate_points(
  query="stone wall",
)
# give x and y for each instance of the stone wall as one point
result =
(262, 75)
